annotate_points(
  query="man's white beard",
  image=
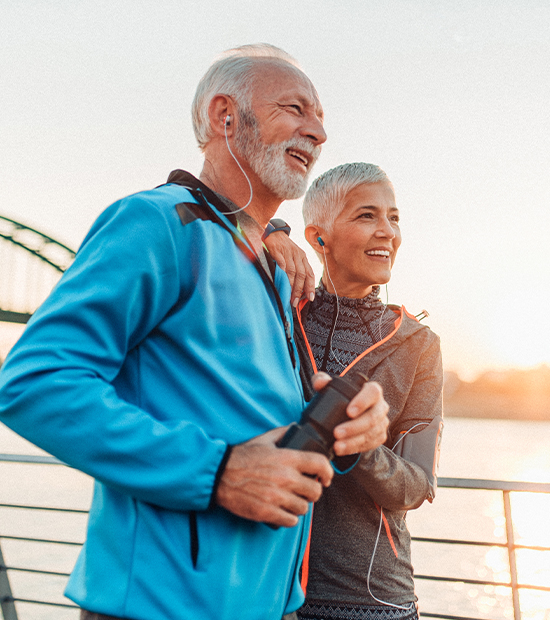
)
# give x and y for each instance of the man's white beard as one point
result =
(268, 160)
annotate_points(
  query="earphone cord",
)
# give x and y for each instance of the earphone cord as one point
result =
(370, 569)
(380, 529)
(241, 168)
(337, 312)
(381, 316)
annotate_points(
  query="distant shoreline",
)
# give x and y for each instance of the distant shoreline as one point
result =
(506, 395)
(498, 407)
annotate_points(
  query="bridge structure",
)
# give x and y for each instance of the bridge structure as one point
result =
(31, 263)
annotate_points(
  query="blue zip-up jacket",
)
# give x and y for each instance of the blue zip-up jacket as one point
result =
(160, 347)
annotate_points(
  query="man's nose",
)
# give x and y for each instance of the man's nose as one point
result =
(313, 130)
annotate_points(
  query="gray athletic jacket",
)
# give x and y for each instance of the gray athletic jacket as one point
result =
(346, 520)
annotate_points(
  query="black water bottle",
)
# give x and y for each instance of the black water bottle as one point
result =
(315, 431)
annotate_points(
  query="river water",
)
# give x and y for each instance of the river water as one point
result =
(489, 449)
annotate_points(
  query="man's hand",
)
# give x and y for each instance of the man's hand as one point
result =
(292, 259)
(273, 485)
(368, 426)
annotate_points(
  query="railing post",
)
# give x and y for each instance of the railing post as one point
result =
(6, 599)
(510, 543)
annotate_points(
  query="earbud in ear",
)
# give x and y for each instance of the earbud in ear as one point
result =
(227, 119)
(321, 242)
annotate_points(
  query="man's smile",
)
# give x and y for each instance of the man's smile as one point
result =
(300, 156)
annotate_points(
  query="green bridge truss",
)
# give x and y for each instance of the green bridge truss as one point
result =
(18, 240)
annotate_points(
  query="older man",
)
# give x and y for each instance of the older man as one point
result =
(163, 365)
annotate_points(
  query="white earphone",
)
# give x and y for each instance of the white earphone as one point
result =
(225, 125)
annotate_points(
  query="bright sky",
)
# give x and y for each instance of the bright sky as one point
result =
(451, 99)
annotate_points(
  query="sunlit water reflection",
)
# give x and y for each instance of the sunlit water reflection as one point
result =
(498, 450)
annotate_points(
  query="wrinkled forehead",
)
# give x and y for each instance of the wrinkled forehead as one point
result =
(274, 78)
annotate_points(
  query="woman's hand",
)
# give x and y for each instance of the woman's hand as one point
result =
(292, 259)
(367, 427)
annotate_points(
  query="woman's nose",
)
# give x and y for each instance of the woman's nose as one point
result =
(385, 229)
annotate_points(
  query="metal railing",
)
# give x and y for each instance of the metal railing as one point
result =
(505, 487)
(8, 600)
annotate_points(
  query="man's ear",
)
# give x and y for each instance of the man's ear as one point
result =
(317, 238)
(221, 112)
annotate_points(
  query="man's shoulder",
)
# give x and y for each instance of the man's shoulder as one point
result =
(160, 214)
(161, 196)
(162, 201)
(180, 186)
(137, 217)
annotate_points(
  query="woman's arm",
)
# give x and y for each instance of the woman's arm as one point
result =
(399, 483)
(292, 260)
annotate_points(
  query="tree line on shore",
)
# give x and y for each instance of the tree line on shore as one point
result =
(508, 394)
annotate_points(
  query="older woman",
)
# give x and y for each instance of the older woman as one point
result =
(359, 563)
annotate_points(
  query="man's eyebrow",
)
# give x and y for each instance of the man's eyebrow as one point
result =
(377, 208)
(315, 103)
(318, 108)
(310, 103)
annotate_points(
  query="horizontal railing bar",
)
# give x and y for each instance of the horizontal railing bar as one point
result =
(10, 316)
(479, 543)
(531, 587)
(494, 485)
(22, 506)
(475, 582)
(427, 614)
(30, 458)
(21, 569)
(35, 602)
(41, 540)
(452, 541)
(480, 582)
(457, 483)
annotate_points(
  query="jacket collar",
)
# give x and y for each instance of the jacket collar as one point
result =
(186, 179)
(405, 326)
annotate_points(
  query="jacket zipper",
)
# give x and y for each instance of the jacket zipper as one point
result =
(194, 537)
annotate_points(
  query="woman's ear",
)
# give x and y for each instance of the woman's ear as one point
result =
(317, 238)
(221, 112)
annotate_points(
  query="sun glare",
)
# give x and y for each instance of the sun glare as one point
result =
(517, 336)
(529, 513)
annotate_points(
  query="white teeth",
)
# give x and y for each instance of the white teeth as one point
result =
(379, 253)
(298, 156)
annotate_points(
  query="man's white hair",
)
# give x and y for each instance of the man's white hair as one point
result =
(325, 198)
(231, 74)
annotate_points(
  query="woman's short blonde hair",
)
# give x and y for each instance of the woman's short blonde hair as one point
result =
(324, 200)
